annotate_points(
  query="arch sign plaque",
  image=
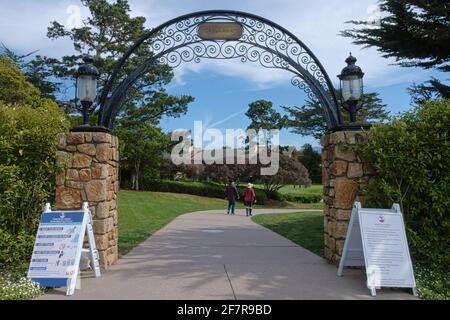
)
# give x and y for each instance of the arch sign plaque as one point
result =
(220, 31)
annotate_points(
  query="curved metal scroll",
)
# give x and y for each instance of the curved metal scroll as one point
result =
(263, 41)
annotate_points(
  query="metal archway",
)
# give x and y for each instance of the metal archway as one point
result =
(260, 40)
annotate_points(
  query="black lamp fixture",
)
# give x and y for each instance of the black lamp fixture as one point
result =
(351, 81)
(86, 90)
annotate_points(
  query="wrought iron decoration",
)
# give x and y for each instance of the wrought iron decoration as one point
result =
(262, 41)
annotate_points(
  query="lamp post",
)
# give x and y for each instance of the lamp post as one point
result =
(351, 81)
(86, 90)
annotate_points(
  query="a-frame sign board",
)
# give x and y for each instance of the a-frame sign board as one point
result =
(376, 239)
(57, 250)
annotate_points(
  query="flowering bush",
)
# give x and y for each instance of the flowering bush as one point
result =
(18, 288)
(432, 284)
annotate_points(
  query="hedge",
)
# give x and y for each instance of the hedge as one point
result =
(29, 124)
(205, 189)
(411, 159)
(300, 198)
(15, 250)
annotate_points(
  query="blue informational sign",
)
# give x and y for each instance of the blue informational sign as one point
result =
(57, 249)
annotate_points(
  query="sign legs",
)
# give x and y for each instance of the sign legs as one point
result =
(93, 249)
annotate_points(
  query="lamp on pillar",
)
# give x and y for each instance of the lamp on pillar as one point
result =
(86, 92)
(351, 80)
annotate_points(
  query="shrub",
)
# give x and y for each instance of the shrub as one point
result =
(432, 284)
(18, 288)
(205, 189)
(15, 251)
(28, 128)
(14, 87)
(411, 158)
(300, 198)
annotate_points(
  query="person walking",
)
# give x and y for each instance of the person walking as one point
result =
(232, 195)
(249, 197)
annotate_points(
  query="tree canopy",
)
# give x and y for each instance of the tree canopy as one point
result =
(264, 116)
(14, 87)
(312, 160)
(414, 32)
(142, 147)
(308, 120)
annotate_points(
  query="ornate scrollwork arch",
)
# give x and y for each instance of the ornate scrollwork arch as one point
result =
(263, 41)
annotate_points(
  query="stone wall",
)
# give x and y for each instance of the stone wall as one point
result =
(91, 167)
(343, 173)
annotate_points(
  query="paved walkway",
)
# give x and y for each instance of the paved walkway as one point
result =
(209, 255)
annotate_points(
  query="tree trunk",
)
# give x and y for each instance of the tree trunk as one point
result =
(136, 169)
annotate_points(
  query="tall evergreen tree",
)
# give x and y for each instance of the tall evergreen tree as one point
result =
(308, 120)
(414, 32)
(264, 116)
(142, 148)
(312, 160)
(39, 71)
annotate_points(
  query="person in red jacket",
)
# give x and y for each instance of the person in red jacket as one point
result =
(249, 197)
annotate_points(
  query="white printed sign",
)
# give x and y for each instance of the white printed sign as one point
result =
(57, 249)
(386, 250)
(376, 239)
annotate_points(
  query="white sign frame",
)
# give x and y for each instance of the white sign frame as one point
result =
(355, 251)
(86, 230)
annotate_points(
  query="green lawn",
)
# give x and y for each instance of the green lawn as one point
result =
(302, 228)
(296, 205)
(313, 189)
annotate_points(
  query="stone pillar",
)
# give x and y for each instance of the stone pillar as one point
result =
(90, 161)
(343, 173)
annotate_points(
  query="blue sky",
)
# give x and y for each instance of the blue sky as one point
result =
(225, 88)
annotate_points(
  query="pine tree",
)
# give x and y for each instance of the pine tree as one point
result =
(308, 120)
(414, 32)
(312, 160)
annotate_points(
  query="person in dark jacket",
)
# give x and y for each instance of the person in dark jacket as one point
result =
(232, 195)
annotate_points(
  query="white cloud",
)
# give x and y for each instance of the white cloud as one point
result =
(317, 23)
(253, 72)
(24, 25)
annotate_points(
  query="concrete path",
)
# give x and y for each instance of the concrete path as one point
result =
(210, 255)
